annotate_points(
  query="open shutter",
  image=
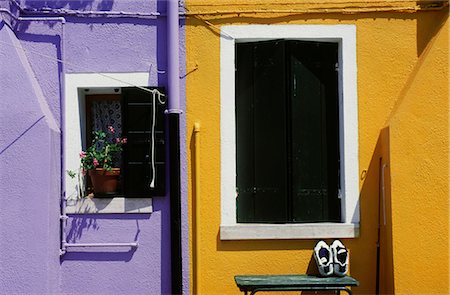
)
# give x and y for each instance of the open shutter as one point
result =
(261, 132)
(137, 127)
(315, 126)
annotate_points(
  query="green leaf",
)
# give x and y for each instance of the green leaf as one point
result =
(72, 174)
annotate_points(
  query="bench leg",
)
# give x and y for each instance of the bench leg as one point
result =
(348, 291)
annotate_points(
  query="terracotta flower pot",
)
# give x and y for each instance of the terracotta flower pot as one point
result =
(103, 181)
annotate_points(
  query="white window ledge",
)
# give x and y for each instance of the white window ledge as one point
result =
(109, 205)
(289, 231)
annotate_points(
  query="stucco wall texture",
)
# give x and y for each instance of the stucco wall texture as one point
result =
(30, 156)
(402, 61)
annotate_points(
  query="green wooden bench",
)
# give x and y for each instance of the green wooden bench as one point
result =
(259, 283)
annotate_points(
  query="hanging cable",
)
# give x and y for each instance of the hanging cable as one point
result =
(152, 146)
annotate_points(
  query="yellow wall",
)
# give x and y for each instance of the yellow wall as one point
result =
(419, 156)
(403, 110)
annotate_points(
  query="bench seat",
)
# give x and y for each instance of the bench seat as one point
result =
(256, 283)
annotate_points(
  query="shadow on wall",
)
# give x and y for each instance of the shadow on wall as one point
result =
(69, 4)
(338, 17)
(386, 269)
(92, 255)
(80, 225)
(45, 6)
(375, 273)
(86, 222)
(371, 265)
(3, 149)
(428, 25)
(55, 40)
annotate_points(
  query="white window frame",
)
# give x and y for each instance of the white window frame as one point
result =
(345, 36)
(74, 114)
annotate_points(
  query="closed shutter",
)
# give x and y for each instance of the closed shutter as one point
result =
(137, 128)
(287, 131)
(244, 133)
(261, 132)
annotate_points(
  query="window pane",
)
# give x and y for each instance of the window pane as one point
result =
(102, 111)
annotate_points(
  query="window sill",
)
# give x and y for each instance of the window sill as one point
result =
(289, 231)
(109, 205)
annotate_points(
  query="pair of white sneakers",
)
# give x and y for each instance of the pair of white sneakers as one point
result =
(331, 260)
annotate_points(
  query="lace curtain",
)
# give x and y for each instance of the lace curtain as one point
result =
(108, 113)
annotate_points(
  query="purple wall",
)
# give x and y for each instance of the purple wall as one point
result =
(30, 164)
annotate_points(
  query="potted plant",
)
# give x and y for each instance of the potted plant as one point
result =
(99, 160)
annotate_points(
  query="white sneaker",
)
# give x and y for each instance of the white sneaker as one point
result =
(324, 258)
(340, 258)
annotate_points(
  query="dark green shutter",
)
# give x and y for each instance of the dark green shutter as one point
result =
(261, 132)
(315, 125)
(244, 133)
(287, 131)
(137, 125)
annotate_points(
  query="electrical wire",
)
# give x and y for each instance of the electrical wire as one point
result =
(220, 31)
(344, 7)
(306, 11)
(255, 3)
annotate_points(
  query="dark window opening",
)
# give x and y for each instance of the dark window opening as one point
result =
(287, 132)
(130, 113)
